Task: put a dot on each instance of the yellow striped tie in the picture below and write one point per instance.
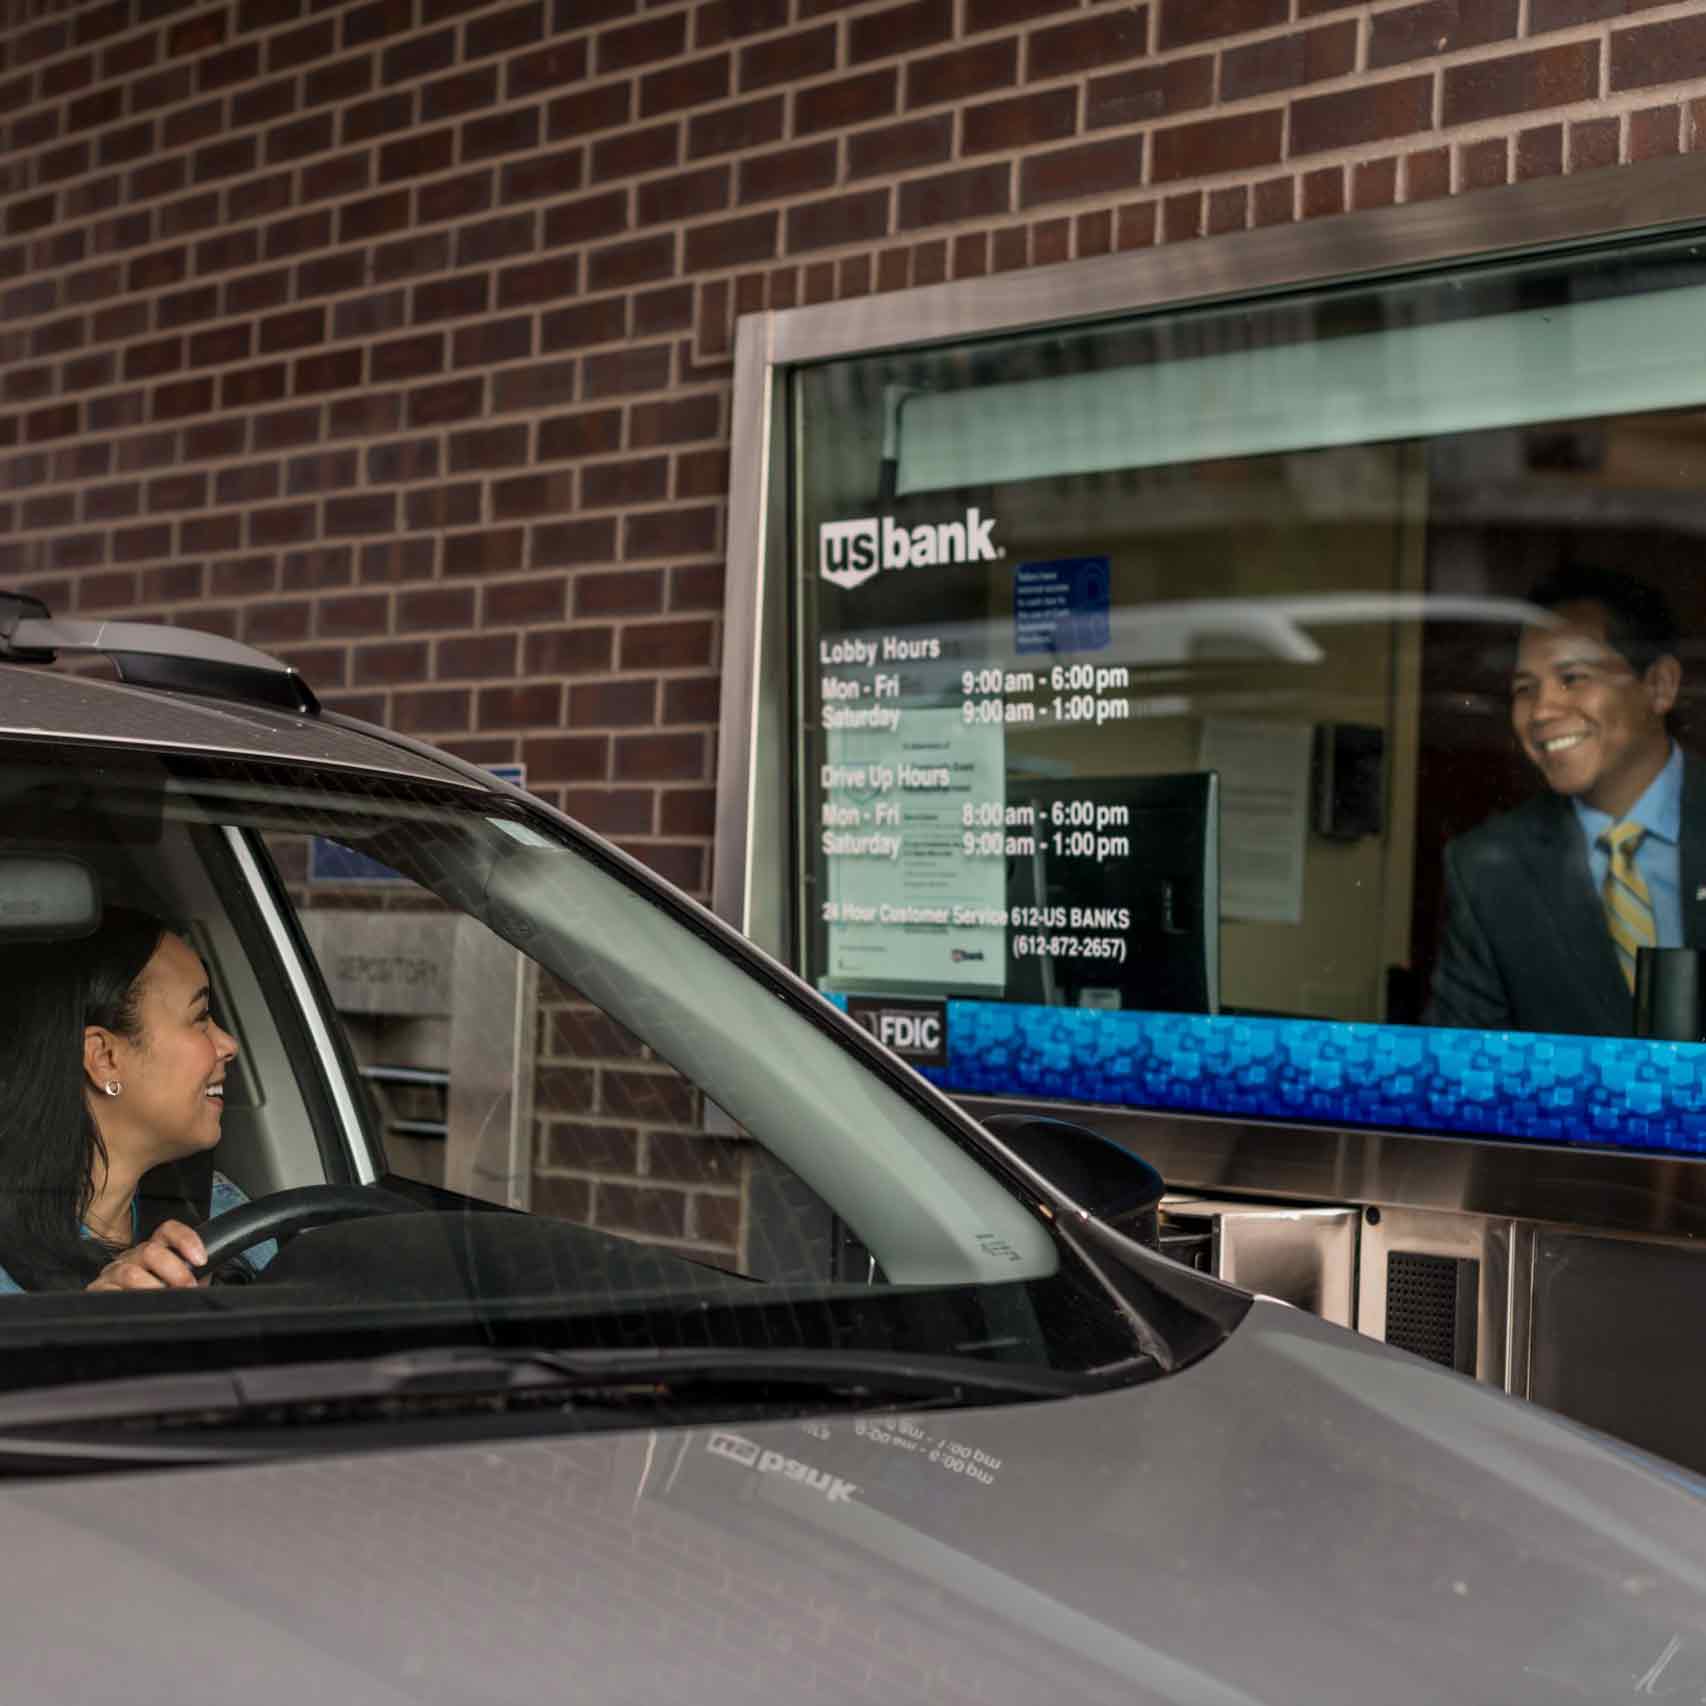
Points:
(1628, 905)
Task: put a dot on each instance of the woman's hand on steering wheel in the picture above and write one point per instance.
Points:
(167, 1258)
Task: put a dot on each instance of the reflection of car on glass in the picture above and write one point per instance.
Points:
(887, 1405)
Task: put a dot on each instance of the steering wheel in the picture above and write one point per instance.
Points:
(285, 1213)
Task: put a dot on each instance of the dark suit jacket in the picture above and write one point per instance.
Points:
(1526, 947)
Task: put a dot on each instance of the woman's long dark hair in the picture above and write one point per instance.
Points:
(50, 1146)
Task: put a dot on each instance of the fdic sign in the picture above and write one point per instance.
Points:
(916, 1030)
(850, 552)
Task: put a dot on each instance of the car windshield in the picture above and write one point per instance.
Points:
(575, 1111)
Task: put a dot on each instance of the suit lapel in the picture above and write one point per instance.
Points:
(1693, 861)
(1557, 866)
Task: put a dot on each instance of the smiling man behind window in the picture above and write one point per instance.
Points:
(1547, 905)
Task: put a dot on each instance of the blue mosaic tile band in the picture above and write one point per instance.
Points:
(1608, 1092)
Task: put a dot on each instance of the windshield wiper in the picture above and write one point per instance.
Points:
(245, 1413)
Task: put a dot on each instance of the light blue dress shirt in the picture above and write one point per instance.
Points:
(1659, 857)
(226, 1196)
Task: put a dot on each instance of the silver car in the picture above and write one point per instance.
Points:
(697, 1349)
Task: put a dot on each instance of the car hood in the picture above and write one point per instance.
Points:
(1303, 1516)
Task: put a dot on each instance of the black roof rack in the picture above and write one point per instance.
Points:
(149, 654)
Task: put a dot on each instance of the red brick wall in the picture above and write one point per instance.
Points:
(393, 335)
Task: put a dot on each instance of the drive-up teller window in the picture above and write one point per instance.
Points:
(1191, 710)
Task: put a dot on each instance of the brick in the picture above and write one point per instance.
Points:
(1427, 174)
(619, 592)
(405, 459)
(1522, 82)
(692, 811)
(657, 1098)
(435, 607)
(748, 124)
(294, 330)
(284, 524)
(977, 193)
(505, 32)
(491, 550)
(379, 117)
(1369, 113)
(321, 471)
(1289, 62)
(1000, 14)
(579, 650)
(590, 217)
(679, 532)
(1484, 165)
(731, 242)
(488, 657)
(787, 172)
(1438, 27)
(337, 370)
(1090, 43)
(491, 341)
(666, 645)
(456, 400)
(373, 22)
(1374, 183)
(1323, 192)
(1593, 144)
(566, 543)
(539, 385)
(632, 152)
(185, 397)
(536, 705)
(787, 59)
(545, 175)
(304, 136)
(255, 482)
(383, 665)
(454, 198)
(1091, 168)
(558, 1198)
(297, 235)
(1184, 22)
(900, 147)
(966, 72)
(539, 598)
(509, 132)
(599, 320)
(694, 84)
(907, 28)
(1657, 53)
(415, 155)
(613, 704)
(1017, 122)
(674, 757)
(606, 485)
(1654, 132)
(638, 262)
(455, 96)
(861, 217)
(550, 68)
(367, 316)
(674, 420)
(495, 239)
(374, 217)
(590, 433)
(704, 189)
(343, 175)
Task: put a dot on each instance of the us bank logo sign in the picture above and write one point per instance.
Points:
(850, 552)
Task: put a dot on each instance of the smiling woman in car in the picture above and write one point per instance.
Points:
(114, 1065)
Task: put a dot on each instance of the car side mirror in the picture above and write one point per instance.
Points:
(1098, 1175)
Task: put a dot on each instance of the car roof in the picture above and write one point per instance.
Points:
(48, 704)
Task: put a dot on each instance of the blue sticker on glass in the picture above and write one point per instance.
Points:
(1061, 606)
(1599, 1092)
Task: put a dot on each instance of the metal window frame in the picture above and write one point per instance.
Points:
(1615, 1190)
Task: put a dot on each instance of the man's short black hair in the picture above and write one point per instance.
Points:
(1639, 621)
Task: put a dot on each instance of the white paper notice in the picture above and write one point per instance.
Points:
(1264, 815)
(898, 798)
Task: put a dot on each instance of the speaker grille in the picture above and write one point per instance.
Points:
(1430, 1307)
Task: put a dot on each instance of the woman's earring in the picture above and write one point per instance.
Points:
(112, 1086)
